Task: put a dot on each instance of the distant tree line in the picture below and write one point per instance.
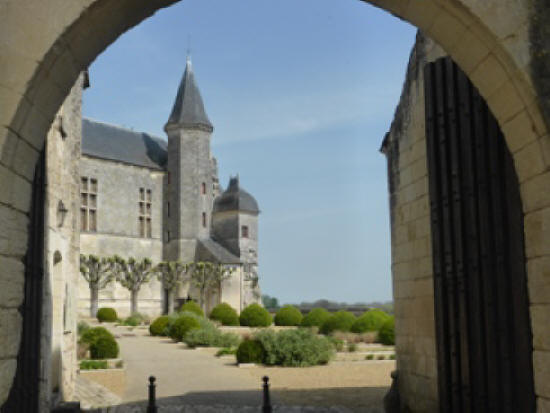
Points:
(272, 303)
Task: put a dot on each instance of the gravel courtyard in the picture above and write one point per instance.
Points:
(197, 377)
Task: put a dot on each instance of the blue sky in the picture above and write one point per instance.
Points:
(301, 94)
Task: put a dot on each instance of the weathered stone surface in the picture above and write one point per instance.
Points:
(7, 367)
(10, 325)
(541, 365)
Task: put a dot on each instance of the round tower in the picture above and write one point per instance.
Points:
(189, 181)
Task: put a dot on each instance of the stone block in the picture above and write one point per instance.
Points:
(529, 161)
(12, 283)
(535, 194)
(489, 75)
(10, 325)
(13, 238)
(538, 278)
(519, 132)
(422, 15)
(470, 52)
(543, 405)
(506, 102)
(7, 367)
(541, 366)
(25, 159)
(537, 233)
(540, 322)
(447, 30)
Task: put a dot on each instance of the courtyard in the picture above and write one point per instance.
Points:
(196, 377)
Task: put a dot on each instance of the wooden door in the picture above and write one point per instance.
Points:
(483, 331)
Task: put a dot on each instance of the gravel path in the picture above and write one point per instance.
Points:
(196, 377)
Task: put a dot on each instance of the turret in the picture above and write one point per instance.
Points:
(235, 222)
(189, 186)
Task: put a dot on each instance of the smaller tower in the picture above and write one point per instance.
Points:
(235, 226)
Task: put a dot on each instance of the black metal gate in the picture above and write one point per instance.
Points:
(23, 396)
(481, 304)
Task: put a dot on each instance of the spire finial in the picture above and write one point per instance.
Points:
(188, 58)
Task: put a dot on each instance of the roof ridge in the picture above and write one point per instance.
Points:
(124, 128)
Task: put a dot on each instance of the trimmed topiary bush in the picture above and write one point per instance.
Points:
(295, 348)
(250, 351)
(104, 347)
(181, 326)
(255, 316)
(386, 334)
(192, 307)
(92, 334)
(339, 321)
(158, 327)
(371, 320)
(225, 314)
(288, 316)
(315, 318)
(107, 314)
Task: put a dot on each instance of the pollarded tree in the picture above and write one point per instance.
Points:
(132, 274)
(171, 274)
(206, 276)
(98, 272)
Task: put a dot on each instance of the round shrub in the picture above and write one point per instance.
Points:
(250, 351)
(339, 321)
(386, 334)
(225, 314)
(92, 334)
(372, 320)
(288, 316)
(107, 314)
(315, 318)
(104, 347)
(255, 316)
(181, 326)
(158, 327)
(192, 307)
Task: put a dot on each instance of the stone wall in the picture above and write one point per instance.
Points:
(412, 275)
(118, 230)
(61, 252)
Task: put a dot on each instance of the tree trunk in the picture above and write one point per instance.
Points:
(202, 299)
(170, 299)
(94, 298)
(134, 294)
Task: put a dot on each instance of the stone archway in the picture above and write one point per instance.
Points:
(45, 46)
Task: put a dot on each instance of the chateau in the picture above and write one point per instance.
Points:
(143, 197)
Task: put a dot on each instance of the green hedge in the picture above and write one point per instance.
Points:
(225, 314)
(288, 316)
(107, 314)
(255, 316)
(158, 327)
(315, 318)
(250, 351)
(192, 307)
(92, 334)
(386, 334)
(181, 326)
(371, 320)
(339, 321)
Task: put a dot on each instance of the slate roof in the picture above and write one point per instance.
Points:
(235, 198)
(208, 250)
(188, 109)
(101, 140)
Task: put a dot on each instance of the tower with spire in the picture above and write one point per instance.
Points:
(190, 180)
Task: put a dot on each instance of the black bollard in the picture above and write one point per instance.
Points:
(152, 406)
(266, 408)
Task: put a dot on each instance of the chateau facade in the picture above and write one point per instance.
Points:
(145, 197)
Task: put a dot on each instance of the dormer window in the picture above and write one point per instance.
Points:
(244, 231)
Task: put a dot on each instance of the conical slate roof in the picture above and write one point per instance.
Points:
(188, 110)
(235, 199)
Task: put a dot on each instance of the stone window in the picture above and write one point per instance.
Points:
(168, 209)
(144, 222)
(244, 231)
(204, 219)
(203, 188)
(88, 204)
